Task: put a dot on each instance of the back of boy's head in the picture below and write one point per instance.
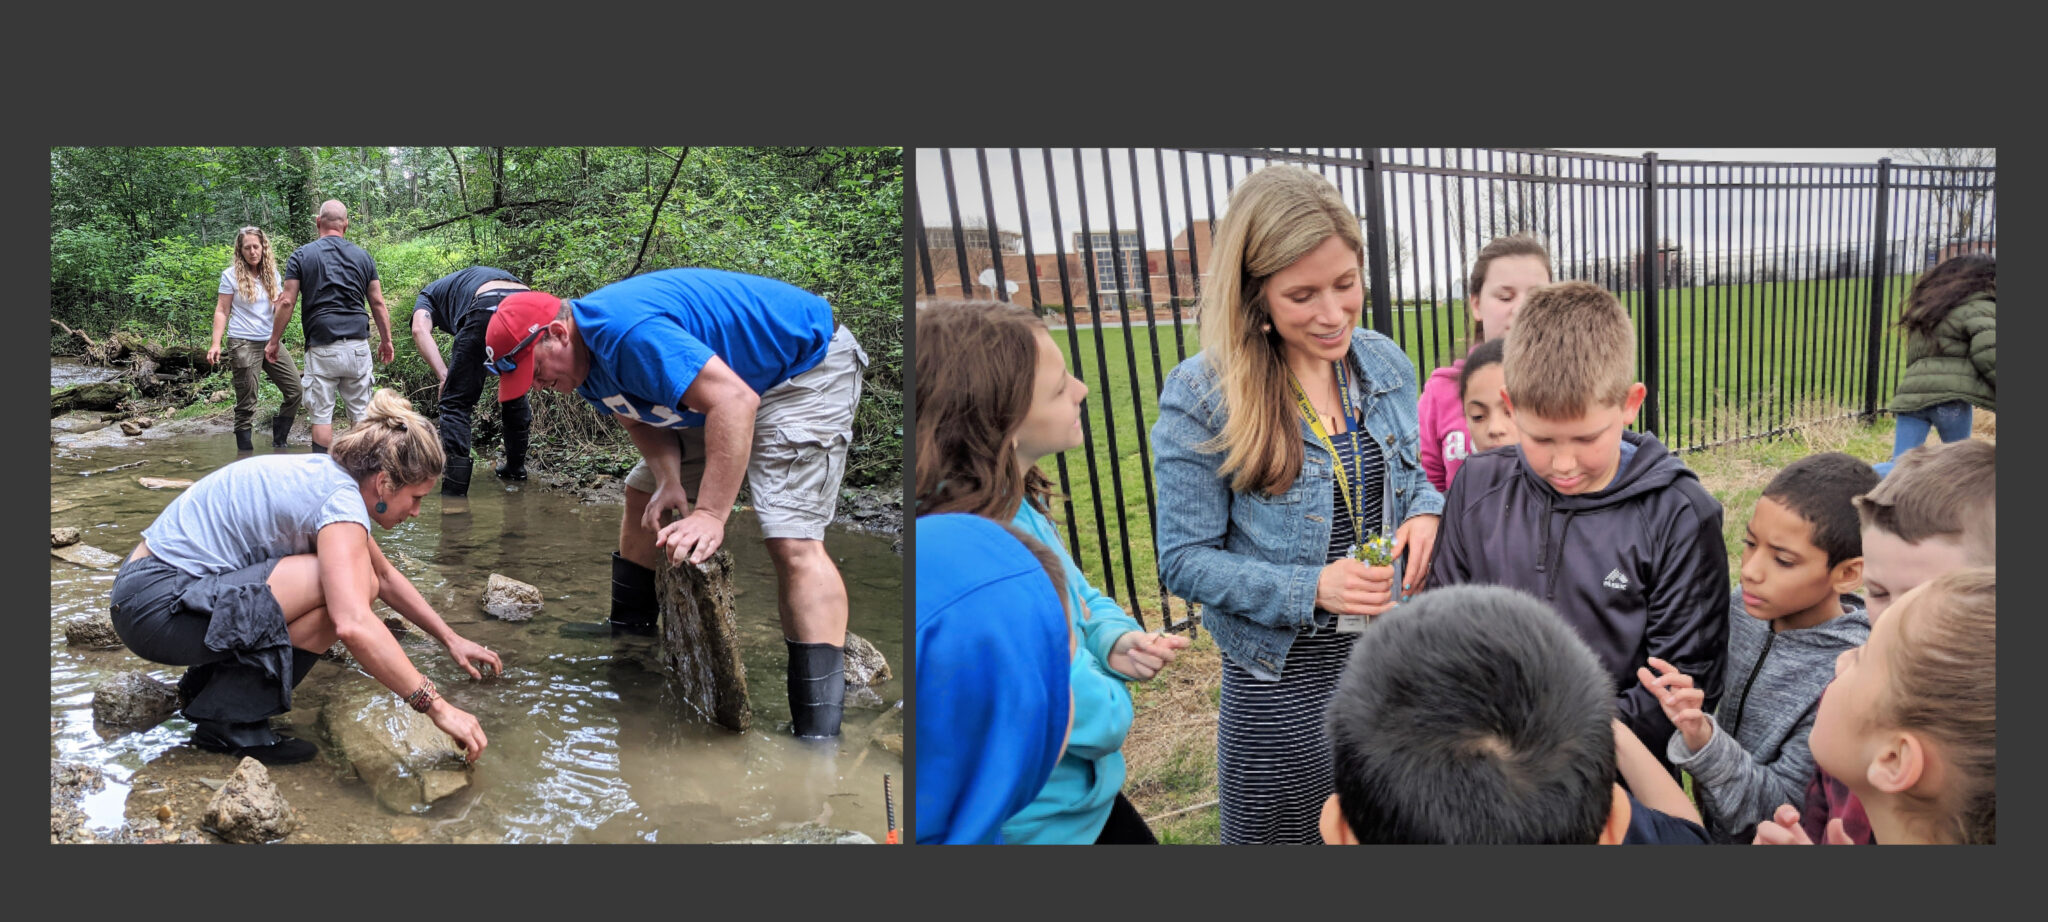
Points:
(1822, 489)
(1572, 348)
(1490, 352)
(1473, 715)
(1940, 491)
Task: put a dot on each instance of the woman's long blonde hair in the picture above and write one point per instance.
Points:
(247, 280)
(1276, 215)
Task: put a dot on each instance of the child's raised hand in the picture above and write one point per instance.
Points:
(1783, 829)
(1681, 701)
(1141, 655)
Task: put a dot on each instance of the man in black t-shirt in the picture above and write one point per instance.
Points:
(337, 277)
(461, 304)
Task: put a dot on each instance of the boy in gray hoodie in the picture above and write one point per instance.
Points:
(1791, 617)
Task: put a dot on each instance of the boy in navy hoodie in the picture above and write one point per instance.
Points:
(1802, 556)
(1604, 524)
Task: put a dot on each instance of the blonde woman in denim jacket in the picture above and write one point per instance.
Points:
(1262, 511)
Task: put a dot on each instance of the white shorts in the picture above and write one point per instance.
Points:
(801, 432)
(342, 365)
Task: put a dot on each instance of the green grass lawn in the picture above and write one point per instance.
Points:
(1737, 360)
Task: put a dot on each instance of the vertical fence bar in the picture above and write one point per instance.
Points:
(953, 211)
(1119, 267)
(1074, 356)
(1877, 270)
(998, 291)
(924, 256)
(1172, 278)
(1376, 242)
(1094, 271)
(1037, 305)
(1652, 255)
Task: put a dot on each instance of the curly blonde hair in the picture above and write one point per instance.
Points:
(265, 274)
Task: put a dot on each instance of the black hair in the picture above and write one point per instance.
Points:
(1473, 715)
(1491, 352)
(1822, 489)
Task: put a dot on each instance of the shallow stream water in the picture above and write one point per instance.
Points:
(587, 740)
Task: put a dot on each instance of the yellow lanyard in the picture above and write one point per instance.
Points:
(1345, 475)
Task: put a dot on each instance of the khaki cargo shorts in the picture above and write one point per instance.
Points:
(801, 432)
(342, 365)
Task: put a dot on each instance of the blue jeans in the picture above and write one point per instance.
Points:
(1951, 420)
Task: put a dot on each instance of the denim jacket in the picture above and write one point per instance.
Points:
(1251, 560)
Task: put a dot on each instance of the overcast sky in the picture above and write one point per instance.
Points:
(1695, 221)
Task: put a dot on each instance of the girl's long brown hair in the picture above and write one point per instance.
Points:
(976, 364)
(1957, 280)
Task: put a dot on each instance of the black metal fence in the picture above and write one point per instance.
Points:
(1765, 294)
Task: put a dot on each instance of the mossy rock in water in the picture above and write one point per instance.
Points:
(102, 395)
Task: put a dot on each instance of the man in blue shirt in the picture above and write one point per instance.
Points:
(714, 374)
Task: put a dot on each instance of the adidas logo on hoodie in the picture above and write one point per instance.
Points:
(1615, 580)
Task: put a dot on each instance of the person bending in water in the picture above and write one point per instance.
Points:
(258, 568)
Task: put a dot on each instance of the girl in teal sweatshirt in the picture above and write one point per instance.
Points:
(994, 398)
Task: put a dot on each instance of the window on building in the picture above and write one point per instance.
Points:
(1132, 252)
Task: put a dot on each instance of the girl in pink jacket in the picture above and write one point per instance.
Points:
(1503, 274)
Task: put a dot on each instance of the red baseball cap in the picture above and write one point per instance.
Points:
(509, 340)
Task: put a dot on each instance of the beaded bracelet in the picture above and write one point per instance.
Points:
(423, 698)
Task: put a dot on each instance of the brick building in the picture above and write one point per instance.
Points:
(1145, 271)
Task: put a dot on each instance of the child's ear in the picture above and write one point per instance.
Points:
(1336, 831)
(1847, 576)
(1635, 400)
(1900, 764)
(1618, 818)
(1505, 403)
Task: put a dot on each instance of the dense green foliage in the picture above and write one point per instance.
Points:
(139, 236)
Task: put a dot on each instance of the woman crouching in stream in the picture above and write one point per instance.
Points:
(260, 566)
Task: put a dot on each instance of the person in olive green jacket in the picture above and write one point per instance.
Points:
(1951, 324)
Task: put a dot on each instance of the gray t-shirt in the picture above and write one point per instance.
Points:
(255, 509)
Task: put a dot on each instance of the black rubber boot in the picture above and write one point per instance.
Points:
(243, 441)
(514, 467)
(455, 479)
(255, 740)
(817, 688)
(280, 431)
(635, 609)
(319, 449)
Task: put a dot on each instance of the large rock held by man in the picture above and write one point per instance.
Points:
(700, 639)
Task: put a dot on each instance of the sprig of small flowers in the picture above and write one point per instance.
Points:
(1378, 552)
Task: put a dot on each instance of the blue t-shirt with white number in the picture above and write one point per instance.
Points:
(650, 335)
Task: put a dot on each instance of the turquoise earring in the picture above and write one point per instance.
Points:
(380, 507)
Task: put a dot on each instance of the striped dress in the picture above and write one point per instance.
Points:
(1272, 753)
